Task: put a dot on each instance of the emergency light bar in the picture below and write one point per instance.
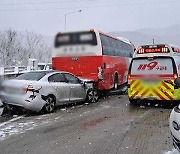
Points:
(153, 50)
(176, 50)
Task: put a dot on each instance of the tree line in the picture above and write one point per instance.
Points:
(17, 48)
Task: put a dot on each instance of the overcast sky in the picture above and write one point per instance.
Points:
(47, 16)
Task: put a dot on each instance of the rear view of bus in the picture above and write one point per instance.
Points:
(152, 73)
(93, 55)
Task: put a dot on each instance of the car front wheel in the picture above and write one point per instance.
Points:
(92, 96)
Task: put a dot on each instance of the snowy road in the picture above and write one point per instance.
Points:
(110, 126)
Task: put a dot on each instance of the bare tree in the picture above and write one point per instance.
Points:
(16, 48)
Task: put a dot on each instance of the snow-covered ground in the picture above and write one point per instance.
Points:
(20, 124)
(110, 125)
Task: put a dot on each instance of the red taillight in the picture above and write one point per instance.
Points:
(175, 76)
(129, 81)
(129, 77)
(29, 88)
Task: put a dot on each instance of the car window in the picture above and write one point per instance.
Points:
(33, 76)
(57, 78)
(71, 79)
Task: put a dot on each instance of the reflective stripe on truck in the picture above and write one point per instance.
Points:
(163, 90)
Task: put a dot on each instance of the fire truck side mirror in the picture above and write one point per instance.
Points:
(177, 82)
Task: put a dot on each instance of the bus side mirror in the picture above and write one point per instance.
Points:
(177, 82)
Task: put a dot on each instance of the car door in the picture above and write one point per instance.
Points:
(61, 88)
(77, 92)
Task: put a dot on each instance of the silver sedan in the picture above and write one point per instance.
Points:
(42, 90)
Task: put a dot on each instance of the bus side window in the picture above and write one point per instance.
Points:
(111, 47)
(105, 44)
(117, 48)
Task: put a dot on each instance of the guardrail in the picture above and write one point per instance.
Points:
(13, 70)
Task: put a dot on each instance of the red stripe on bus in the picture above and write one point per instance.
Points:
(108, 35)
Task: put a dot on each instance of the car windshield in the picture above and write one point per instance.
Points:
(34, 76)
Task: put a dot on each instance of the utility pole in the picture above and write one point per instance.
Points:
(65, 19)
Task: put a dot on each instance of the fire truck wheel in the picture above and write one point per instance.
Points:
(133, 101)
(92, 96)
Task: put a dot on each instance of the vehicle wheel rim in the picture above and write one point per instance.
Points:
(93, 96)
(50, 104)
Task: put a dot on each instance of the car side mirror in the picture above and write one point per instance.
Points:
(177, 82)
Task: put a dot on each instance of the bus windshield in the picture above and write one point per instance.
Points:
(157, 67)
(76, 38)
